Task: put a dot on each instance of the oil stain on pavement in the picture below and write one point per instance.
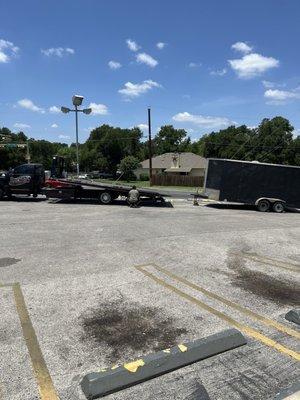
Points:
(277, 290)
(8, 261)
(125, 325)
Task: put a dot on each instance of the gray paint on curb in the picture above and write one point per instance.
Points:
(99, 384)
(293, 316)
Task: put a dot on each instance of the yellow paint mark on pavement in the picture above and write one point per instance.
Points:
(134, 365)
(182, 348)
(270, 261)
(44, 381)
(246, 311)
(242, 327)
(167, 351)
(115, 367)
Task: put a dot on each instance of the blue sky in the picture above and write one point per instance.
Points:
(200, 65)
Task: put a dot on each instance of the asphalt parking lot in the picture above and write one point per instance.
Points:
(95, 290)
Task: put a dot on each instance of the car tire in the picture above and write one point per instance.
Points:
(263, 205)
(278, 207)
(105, 198)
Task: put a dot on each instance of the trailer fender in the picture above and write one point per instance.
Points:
(270, 199)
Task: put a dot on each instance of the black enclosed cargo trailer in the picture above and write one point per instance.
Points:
(267, 186)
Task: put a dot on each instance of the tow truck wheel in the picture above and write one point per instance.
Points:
(105, 198)
(278, 207)
(263, 205)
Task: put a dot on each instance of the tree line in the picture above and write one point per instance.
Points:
(108, 148)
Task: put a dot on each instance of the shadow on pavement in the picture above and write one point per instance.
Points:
(226, 206)
(144, 203)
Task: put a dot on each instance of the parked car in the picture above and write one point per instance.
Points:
(84, 176)
(106, 175)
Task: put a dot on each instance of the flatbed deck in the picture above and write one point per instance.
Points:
(104, 192)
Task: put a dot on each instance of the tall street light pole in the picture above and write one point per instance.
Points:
(77, 101)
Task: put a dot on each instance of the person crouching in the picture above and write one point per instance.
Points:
(133, 197)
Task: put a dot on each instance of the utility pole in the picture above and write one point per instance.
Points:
(150, 145)
(77, 146)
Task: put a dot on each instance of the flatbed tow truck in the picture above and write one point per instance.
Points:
(57, 187)
(105, 193)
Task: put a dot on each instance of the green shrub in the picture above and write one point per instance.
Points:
(144, 177)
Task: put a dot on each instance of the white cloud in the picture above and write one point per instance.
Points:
(89, 129)
(202, 120)
(114, 64)
(242, 47)
(296, 133)
(252, 65)
(64, 137)
(271, 85)
(54, 110)
(98, 109)
(276, 96)
(29, 105)
(136, 89)
(132, 45)
(194, 65)
(218, 72)
(144, 58)
(143, 127)
(54, 126)
(160, 45)
(7, 51)
(268, 84)
(21, 126)
(57, 51)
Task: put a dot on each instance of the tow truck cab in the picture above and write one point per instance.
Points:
(25, 179)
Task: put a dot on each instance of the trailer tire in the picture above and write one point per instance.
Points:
(278, 207)
(105, 198)
(263, 205)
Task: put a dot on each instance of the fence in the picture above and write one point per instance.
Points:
(177, 180)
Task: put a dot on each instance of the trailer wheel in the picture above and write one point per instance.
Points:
(278, 207)
(105, 198)
(263, 205)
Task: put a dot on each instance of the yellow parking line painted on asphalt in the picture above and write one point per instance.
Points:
(270, 261)
(44, 381)
(246, 311)
(290, 263)
(242, 327)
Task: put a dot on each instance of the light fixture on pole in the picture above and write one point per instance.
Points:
(77, 101)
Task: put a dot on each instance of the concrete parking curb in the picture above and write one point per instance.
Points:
(291, 393)
(106, 381)
(293, 316)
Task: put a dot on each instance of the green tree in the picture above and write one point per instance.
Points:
(272, 140)
(169, 140)
(127, 166)
(113, 144)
